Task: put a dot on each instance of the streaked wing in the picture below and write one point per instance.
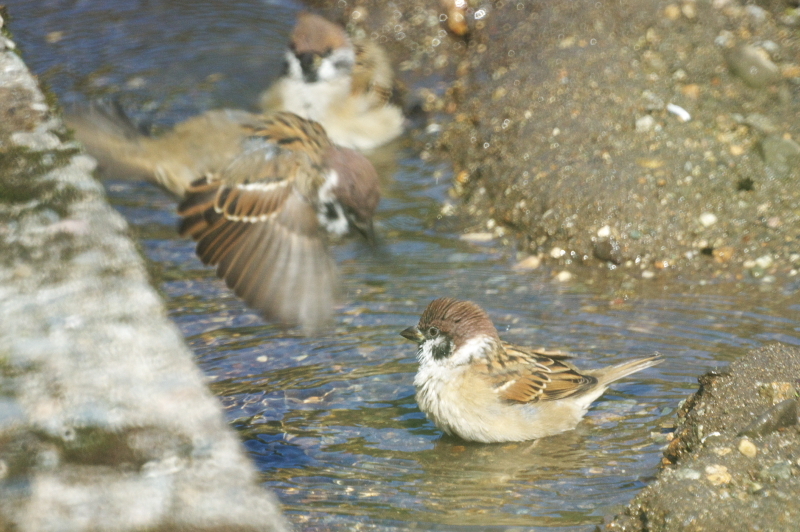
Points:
(255, 223)
(528, 375)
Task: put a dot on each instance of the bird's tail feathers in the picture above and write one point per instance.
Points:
(112, 138)
(608, 375)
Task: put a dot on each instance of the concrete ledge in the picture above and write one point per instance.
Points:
(105, 422)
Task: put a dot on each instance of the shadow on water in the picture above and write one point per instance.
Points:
(331, 421)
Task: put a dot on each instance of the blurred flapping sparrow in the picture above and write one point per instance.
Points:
(344, 84)
(265, 219)
(473, 385)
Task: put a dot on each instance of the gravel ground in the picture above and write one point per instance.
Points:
(649, 137)
(734, 460)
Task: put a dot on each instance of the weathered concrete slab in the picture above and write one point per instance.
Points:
(105, 422)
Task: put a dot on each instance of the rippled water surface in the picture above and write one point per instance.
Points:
(331, 421)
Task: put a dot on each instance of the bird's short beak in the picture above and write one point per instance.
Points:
(413, 334)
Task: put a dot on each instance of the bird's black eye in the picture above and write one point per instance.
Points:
(433, 332)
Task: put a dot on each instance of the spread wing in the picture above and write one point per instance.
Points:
(254, 221)
(527, 375)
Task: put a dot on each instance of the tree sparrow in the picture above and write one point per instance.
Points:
(343, 84)
(479, 388)
(264, 220)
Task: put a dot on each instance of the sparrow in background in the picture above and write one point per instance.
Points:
(265, 219)
(344, 84)
(473, 385)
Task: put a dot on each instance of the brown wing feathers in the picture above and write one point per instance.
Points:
(531, 376)
(257, 223)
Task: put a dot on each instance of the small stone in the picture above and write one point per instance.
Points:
(689, 10)
(604, 232)
(477, 237)
(760, 123)
(262, 358)
(718, 474)
(557, 253)
(647, 274)
(563, 276)
(764, 261)
(707, 219)
(781, 470)
(723, 254)
(747, 448)
(775, 392)
(752, 65)
(645, 123)
(780, 154)
(528, 263)
(672, 12)
(608, 249)
(688, 474)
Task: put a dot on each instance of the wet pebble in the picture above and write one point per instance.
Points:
(752, 66)
(688, 474)
(748, 448)
(764, 261)
(563, 276)
(645, 123)
(477, 237)
(781, 470)
(718, 474)
(707, 219)
(775, 392)
(780, 154)
(608, 249)
(529, 263)
(761, 123)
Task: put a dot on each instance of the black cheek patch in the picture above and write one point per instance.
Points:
(442, 350)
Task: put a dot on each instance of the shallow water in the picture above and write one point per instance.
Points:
(331, 421)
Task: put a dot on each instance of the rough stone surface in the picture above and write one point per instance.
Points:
(714, 478)
(105, 422)
(561, 118)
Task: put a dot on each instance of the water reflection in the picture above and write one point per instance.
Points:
(331, 421)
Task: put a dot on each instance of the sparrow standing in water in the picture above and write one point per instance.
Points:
(473, 385)
(265, 219)
(343, 84)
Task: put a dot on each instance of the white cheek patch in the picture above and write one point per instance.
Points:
(472, 349)
(338, 64)
(295, 71)
(330, 212)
